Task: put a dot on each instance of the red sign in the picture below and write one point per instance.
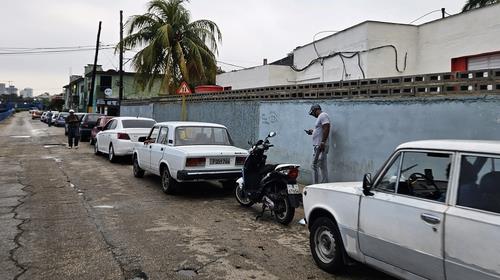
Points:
(184, 89)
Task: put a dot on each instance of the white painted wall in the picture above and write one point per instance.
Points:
(260, 76)
(429, 47)
(473, 32)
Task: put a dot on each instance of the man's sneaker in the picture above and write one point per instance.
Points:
(76, 147)
(69, 147)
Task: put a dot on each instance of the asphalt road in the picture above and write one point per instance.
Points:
(68, 214)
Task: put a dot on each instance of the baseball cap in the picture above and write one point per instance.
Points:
(314, 108)
(71, 111)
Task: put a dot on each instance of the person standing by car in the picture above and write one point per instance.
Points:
(49, 118)
(320, 144)
(73, 124)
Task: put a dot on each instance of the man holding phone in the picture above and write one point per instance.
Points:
(320, 135)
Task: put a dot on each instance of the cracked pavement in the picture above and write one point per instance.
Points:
(68, 214)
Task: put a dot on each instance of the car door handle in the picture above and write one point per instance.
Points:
(161, 149)
(431, 219)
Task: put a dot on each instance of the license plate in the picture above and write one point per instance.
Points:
(293, 189)
(219, 161)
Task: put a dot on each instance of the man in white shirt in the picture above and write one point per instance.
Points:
(320, 144)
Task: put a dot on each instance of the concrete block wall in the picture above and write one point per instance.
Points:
(364, 133)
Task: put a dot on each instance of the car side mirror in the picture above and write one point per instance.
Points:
(367, 184)
(142, 139)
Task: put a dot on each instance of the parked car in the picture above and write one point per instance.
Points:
(100, 123)
(431, 212)
(36, 114)
(119, 135)
(55, 114)
(86, 124)
(188, 151)
(61, 119)
(79, 115)
(43, 116)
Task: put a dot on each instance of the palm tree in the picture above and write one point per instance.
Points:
(473, 4)
(173, 48)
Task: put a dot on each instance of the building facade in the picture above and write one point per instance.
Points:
(466, 41)
(26, 93)
(105, 99)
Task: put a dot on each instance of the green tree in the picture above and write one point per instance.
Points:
(172, 47)
(473, 4)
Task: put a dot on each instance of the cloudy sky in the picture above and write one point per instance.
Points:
(251, 30)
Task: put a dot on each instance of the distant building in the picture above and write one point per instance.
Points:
(11, 90)
(463, 42)
(2, 89)
(106, 90)
(26, 93)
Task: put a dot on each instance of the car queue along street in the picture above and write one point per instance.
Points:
(68, 214)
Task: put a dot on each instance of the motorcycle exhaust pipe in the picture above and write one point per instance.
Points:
(268, 202)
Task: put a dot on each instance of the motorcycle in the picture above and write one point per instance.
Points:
(273, 185)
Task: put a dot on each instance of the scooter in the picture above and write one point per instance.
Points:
(273, 185)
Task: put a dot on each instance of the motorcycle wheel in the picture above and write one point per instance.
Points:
(285, 212)
(242, 199)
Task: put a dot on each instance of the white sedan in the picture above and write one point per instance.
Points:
(431, 212)
(189, 151)
(119, 135)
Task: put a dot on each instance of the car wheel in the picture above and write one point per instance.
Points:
(326, 245)
(168, 184)
(96, 149)
(138, 171)
(111, 154)
(241, 197)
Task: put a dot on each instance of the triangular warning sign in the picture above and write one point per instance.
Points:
(183, 89)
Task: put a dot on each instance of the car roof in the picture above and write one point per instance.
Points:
(475, 146)
(178, 123)
(132, 118)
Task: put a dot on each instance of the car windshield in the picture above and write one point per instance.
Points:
(138, 123)
(201, 135)
(92, 117)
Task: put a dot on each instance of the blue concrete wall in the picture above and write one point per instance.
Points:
(145, 111)
(6, 114)
(364, 133)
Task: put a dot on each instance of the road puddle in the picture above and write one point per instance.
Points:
(20, 136)
(104, 206)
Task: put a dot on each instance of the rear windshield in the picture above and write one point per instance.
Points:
(92, 117)
(201, 135)
(138, 123)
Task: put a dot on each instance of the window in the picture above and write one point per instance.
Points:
(108, 125)
(198, 135)
(162, 137)
(113, 124)
(154, 133)
(425, 175)
(138, 123)
(479, 183)
(388, 181)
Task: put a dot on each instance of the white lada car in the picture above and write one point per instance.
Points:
(431, 212)
(119, 135)
(188, 151)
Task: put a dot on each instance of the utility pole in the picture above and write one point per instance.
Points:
(443, 12)
(94, 70)
(120, 93)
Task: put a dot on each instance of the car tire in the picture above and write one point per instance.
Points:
(96, 149)
(111, 154)
(168, 184)
(326, 245)
(138, 171)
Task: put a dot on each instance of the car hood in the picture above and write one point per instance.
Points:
(345, 187)
(212, 150)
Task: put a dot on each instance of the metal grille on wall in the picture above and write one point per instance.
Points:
(449, 83)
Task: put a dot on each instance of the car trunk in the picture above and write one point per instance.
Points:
(135, 133)
(217, 157)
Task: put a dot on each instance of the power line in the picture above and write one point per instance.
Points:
(51, 48)
(51, 51)
(230, 64)
(425, 15)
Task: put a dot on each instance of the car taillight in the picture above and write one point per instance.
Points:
(190, 162)
(240, 160)
(293, 173)
(123, 136)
